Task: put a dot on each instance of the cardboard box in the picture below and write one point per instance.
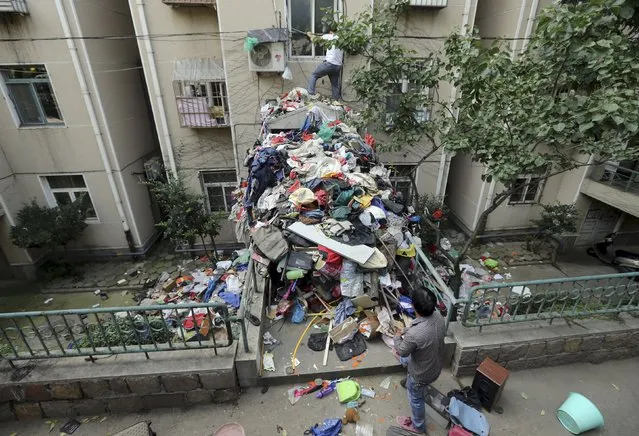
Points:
(369, 325)
(169, 285)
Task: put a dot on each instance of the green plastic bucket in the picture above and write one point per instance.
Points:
(578, 414)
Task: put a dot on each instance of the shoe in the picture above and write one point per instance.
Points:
(403, 381)
(406, 423)
(313, 96)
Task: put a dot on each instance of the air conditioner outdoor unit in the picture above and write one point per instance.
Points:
(429, 3)
(268, 57)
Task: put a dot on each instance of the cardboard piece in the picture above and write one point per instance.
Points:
(357, 253)
(344, 331)
(363, 301)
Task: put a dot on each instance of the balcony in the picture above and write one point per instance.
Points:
(614, 185)
(429, 3)
(14, 6)
(208, 3)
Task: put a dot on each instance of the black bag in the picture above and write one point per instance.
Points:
(352, 348)
(466, 395)
(317, 341)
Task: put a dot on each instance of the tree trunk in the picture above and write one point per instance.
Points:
(214, 247)
(206, 252)
(479, 228)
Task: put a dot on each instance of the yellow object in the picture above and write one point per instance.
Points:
(310, 324)
(407, 252)
(364, 200)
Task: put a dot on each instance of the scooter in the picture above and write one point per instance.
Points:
(625, 261)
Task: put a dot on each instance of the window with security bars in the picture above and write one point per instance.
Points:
(400, 178)
(218, 187)
(393, 100)
(202, 104)
(61, 190)
(30, 92)
(527, 189)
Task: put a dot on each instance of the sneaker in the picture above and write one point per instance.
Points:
(403, 381)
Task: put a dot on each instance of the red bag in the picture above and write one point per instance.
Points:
(458, 430)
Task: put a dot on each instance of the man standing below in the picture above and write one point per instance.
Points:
(331, 67)
(421, 348)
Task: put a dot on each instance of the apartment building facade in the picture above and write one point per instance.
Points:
(206, 90)
(74, 123)
(606, 196)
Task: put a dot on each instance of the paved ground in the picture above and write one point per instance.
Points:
(529, 402)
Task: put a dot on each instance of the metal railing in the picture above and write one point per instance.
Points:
(573, 297)
(115, 330)
(618, 177)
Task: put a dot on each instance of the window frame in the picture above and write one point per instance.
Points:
(180, 86)
(224, 185)
(524, 192)
(50, 192)
(427, 111)
(31, 82)
(337, 8)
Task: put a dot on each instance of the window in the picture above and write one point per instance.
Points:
(422, 114)
(31, 93)
(527, 189)
(61, 190)
(400, 178)
(202, 104)
(306, 16)
(218, 188)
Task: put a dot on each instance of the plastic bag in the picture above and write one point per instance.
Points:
(250, 43)
(325, 132)
(330, 427)
(351, 280)
(287, 74)
(299, 313)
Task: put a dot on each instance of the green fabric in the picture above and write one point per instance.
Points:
(325, 132)
(341, 213)
(491, 263)
(344, 197)
(250, 43)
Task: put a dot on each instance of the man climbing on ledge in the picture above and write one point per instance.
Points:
(331, 67)
(421, 348)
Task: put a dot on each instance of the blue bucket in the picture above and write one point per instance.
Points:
(578, 414)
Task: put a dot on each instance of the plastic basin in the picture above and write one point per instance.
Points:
(230, 429)
(578, 414)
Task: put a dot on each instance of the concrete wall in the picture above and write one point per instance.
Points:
(533, 345)
(465, 190)
(32, 152)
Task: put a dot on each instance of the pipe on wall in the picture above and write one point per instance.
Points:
(88, 101)
(151, 72)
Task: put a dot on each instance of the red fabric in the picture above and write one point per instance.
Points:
(438, 214)
(334, 123)
(368, 139)
(278, 140)
(458, 430)
(297, 185)
(322, 197)
(331, 257)
(307, 136)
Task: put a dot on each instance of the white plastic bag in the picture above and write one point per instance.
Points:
(287, 74)
(351, 280)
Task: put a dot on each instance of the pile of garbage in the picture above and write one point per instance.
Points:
(326, 224)
(203, 282)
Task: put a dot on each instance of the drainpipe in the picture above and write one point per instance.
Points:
(513, 45)
(107, 131)
(151, 72)
(441, 183)
(226, 81)
(86, 94)
(531, 23)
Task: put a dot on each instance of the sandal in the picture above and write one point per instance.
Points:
(406, 423)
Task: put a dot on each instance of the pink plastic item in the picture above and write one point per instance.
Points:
(230, 429)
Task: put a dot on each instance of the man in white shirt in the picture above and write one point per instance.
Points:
(331, 67)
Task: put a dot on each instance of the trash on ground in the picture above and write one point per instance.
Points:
(70, 426)
(386, 383)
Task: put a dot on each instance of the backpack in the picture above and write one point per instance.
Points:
(466, 395)
(330, 427)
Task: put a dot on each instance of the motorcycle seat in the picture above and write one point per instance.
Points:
(624, 253)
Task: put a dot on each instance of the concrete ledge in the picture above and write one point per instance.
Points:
(118, 384)
(536, 344)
